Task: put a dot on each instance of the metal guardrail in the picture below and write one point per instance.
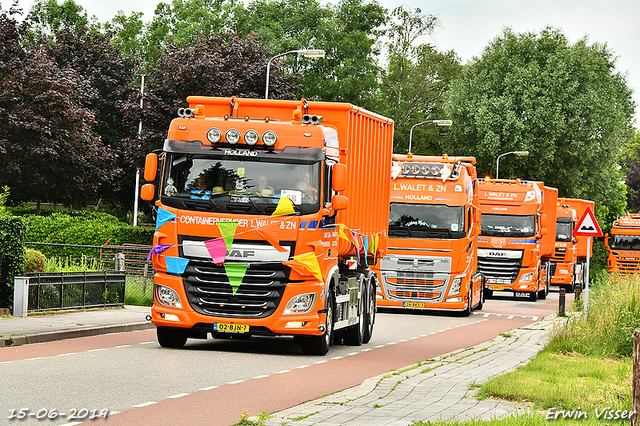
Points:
(67, 290)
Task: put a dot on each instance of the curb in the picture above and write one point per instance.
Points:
(19, 340)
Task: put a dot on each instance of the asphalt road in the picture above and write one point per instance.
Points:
(213, 382)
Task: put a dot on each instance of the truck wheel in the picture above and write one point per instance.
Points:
(534, 296)
(171, 337)
(319, 345)
(370, 308)
(481, 302)
(542, 295)
(469, 308)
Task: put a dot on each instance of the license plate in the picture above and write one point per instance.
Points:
(522, 294)
(230, 328)
(413, 305)
(496, 287)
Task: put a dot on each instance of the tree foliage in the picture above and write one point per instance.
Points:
(216, 65)
(564, 103)
(415, 80)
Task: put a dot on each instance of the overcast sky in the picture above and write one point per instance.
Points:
(467, 26)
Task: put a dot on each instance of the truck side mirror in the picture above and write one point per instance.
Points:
(543, 221)
(339, 202)
(150, 167)
(148, 191)
(606, 240)
(339, 177)
(543, 231)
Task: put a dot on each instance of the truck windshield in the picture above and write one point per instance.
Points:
(500, 225)
(625, 242)
(563, 231)
(426, 221)
(239, 185)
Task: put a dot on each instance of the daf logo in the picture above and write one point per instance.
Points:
(497, 254)
(244, 152)
(242, 253)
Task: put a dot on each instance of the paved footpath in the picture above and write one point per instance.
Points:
(438, 389)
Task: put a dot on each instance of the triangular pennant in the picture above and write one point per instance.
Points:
(284, 208)
(176, 265)
(158, 248)
(271, 233)
(217, 250)
(235, 274)
(305, 264)
(228, 231)
(365, 243)
(341, 233)
(163, 217)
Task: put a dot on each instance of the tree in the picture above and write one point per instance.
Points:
(48, 150)
(415, 81)
(110, 73)
(347, 31)
(564, 103)
(632, 166)
(215, 65)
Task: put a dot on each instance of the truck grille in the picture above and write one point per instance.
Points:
(627, 266)
(210, 293)
(559, 255)
(499, 270)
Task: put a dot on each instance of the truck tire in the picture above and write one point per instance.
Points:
(534, 296)
(319, 345)
(469, 308)
(370, 307)
(171, 337)
(480, 304)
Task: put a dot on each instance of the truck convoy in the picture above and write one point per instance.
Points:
(571, 252)
(515, 247)
(624, 245)
(433, 235)
(270, 213)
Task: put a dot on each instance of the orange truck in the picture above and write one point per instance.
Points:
(571, 252)
(269, 213)
(624, 245)
(433, 235)
(515, 247)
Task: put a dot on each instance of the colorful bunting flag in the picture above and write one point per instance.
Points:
(158, 248)
(163, 217)
(228, 232)
(366, 249)
(305, 264)
(217, 250)
(235, 273)
(271, 233)
(176, 265)
(284, 208)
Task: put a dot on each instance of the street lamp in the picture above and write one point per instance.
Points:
(436, 122)
(518, 153)
(307, 53)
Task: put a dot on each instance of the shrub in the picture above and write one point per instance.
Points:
(35, 261)
(12, 233)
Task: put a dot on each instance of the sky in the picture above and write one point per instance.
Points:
(467, 26)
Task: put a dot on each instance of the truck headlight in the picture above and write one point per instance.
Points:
(300, 304)
(456, 284)
(526, 277)
(167, 296)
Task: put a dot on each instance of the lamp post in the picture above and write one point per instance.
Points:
(436, 122)
(518, 153)
(307, 53)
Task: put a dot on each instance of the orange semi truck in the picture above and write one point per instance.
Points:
(433, 234)
(269, 212)
(571, 252)
(624, 245)
(515, 246)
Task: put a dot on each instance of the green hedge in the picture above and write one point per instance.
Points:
(82, 228)
(12, 233)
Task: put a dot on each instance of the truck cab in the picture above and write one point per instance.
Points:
(515, 246)
(433, 233)
(563, 263)
(624, 245)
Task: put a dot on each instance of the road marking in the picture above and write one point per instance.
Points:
(180, 395)
(236, 382)
(208, 388)
(144, 404)
(509, 316)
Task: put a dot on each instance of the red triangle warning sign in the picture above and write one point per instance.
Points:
(588, 225)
